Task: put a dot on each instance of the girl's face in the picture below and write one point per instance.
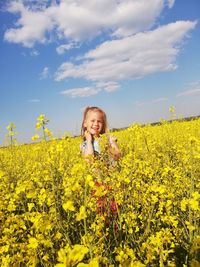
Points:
(94, 122)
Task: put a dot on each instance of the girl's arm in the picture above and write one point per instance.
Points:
(88, 150)
(114, 148)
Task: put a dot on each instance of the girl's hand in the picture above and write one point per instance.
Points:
(114, 149)
(88, 136)
(112, 139)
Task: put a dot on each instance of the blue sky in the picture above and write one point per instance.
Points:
(132, 58)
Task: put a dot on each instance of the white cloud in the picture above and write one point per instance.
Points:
(108, 86)
(45, 73)
(192, 92)
(62, 48)
(79, 20)
(34, 53)
(131, 57)
(133, 50)
(89, 91)
(150, 102)
(194, 84)
(31, 26)
(81, 92)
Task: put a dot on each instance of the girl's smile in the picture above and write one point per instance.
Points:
(94, 123)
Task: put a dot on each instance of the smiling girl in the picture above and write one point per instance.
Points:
(93, 126)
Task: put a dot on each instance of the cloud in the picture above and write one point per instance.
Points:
(133, 48)
(194, 92)
(31, 26)
(44, 74)
(79, 20)
(194, 84)
(150, 102)
(34, 53)
(89, 91)
(81, 92)
(130, 57)
(62, 48)
(108, 86)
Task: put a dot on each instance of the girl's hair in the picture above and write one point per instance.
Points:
(95, 109)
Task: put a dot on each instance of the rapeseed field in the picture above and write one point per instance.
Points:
(58, 210)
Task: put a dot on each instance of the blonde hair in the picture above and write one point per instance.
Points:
(95, 109)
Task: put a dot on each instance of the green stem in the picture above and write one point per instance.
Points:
(43, 128)
(85, 221)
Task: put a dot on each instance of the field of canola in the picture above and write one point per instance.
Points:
(57, 210)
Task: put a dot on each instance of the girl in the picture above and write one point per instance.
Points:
(94, 124)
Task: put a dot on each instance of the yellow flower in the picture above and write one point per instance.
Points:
(194, 204)
(89, 180)
(154, 186)
(35, 137)
(172, 109)
(48, 132)
(33, 243)
(58, 236)
(130, 230)
(190, 226)
(30, 206)
(93, 263)
(184, 203)
(71, 256)
(38, 125)
(45, 257)
(61, 258)
(69, 205)
(82, 214)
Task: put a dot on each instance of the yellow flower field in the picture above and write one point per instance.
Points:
(58, 210)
